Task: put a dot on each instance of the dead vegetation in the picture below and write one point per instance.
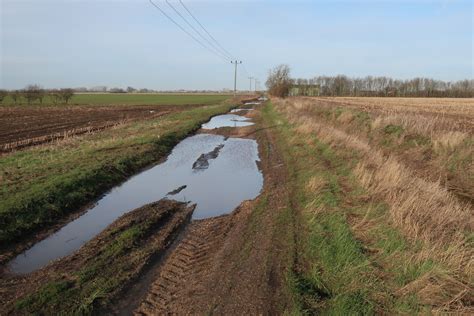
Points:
(415, 155)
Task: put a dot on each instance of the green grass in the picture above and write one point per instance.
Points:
(43, 184)
(133, 99)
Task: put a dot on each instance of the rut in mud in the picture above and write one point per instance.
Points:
(187, 263)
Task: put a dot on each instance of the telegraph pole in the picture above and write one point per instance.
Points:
(250, 87)
(235, 75)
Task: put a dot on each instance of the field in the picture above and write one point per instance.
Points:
(366, 208)
(132, 99)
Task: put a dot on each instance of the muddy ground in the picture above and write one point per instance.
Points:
(231, 264)
(158, 224)
(26, 126)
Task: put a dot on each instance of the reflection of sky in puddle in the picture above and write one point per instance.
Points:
(231, 178)
(227, 120)
(239, 110)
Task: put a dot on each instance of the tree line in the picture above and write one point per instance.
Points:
(280, 82)
(36, 94)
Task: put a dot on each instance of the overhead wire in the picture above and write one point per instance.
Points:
(185, 31)
(205, 30)
(247, 73)
(217, 49)
(212, 45)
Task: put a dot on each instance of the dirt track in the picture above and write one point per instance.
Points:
(22, 127)
(231, 264)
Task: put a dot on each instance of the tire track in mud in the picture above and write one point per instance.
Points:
(190, 261)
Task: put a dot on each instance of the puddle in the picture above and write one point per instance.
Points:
(240, 110)
(227, 120)
(225, 173)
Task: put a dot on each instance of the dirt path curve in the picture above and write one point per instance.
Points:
(232, 264)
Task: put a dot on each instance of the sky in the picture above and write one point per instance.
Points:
(120, 43)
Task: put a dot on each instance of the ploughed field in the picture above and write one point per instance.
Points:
(22, 126)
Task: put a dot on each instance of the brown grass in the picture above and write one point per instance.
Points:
(423, 209)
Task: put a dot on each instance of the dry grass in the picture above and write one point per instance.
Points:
(449, 140)
(437, 146)
(443, 106)
(421, 208)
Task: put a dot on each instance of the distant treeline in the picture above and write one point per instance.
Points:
(35, 94)
(381, 86)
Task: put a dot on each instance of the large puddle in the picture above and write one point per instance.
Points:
(214, 172)
(227, 120)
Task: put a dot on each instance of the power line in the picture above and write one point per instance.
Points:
(214, 48)
(212, 37)
(185, 31)
(245, 69)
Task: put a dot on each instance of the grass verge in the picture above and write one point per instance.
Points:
(351, 260)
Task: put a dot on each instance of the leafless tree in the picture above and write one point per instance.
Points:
(279, 81)
(34, 92)
(66, 94)
(384, 86)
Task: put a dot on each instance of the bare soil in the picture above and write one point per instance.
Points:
(26, 126)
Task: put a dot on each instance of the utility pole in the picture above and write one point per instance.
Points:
(235, 75)
(256, 83)
(250, 87)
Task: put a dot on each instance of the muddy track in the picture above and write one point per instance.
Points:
(232, 264)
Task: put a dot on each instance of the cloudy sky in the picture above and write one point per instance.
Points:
(73, 43)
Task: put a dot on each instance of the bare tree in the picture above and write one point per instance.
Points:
(279, 81)
(34, 92)
(384, 86)
(66, 94)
